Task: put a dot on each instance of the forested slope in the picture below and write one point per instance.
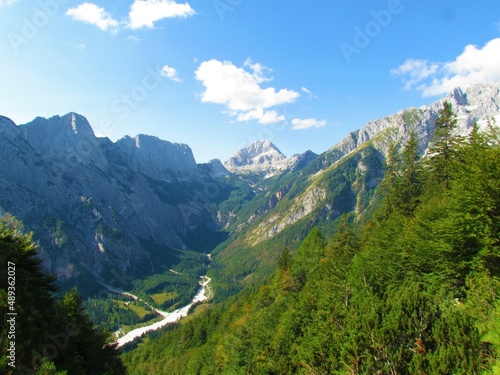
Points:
(41, 333)
(414, 291)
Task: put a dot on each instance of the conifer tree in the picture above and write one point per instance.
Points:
(27, 292)
(45, 327)
(443, 145)
(410, 182)
(388, 184)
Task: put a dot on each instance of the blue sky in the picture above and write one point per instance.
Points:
(220, 74)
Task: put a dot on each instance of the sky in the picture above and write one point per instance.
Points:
(219, 75)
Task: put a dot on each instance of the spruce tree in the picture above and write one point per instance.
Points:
(388, 184)
(26, 292)
(443, 145)
(52, 335)
(410, 182)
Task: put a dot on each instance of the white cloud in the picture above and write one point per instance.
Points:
(144, 13)
(93, 14)
(263, 117)
(417, 70)
(170, 73)
(133, 39)
(240, 90)
(300, 124)
(474, 65)
(309, 93)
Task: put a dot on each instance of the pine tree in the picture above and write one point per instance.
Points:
(285, 260)
(443, 145)
(27, 293)
(388, 185)
(410, 182)
(45, 327)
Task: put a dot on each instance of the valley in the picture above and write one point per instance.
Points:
(235, 187)
(134, 225)
(168, 317)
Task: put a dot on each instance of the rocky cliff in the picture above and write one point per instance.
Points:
(478, 103)
(100, 208)
(265, 159)
(128, 209)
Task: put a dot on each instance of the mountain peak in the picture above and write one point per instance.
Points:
(71, 124)
(261, 157)
(265, 159)
(61, 137)
(257, 149)
(7, 126)
(157, 158)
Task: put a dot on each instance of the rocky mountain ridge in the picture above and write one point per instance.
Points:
(100, 208)
(265, 159)
(131, 207)
(478, 103)
(341, 180)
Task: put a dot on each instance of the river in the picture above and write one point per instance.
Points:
(169, 317)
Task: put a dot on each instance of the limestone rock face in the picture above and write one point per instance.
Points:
(265, 159)
(217, 169)
(478, 103)
(158, 159)
(103, 210)
(96, 207)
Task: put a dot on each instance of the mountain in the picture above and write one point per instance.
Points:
(263, 158)
(341, 180)
(477, 104)
(158, 159)
(102, 210)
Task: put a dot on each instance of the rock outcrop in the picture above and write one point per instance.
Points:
(100, 208)
(478, 103)
(265, 159)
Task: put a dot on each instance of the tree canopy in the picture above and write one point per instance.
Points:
(414, 291)
(49, 334)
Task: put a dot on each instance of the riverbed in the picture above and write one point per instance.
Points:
(169, 317)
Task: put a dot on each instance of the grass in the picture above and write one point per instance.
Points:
(140, 311)
(161, 298)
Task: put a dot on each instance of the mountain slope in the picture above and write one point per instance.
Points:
(409, 293)
(103, 210)
(341, 180)
(264, 159)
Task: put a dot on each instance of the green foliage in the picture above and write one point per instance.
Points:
(416, 293)
(48, 368)
(443, 146)
(45, 327)
(113, 312)
(411, 181)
